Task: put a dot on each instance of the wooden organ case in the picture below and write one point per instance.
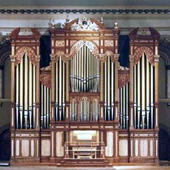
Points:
(84, 109)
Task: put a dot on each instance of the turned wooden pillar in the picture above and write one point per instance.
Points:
(52, 121)
(156, 58)
(116, 57)
(67, 91)
(12, 91)
(37, 98)
(101, 91)
(131, 58)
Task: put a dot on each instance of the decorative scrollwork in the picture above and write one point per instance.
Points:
(30, 53)
(85, 24)
(45, 79)
(139, 51)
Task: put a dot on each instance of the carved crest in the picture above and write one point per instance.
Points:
(85, 24)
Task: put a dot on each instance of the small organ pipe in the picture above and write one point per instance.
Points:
(56, 91)
(42, 105)
(127, 104)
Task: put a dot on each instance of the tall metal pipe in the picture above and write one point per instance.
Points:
(30, 94)
(34, 93)
(21, 93)
(17, 95)
(139, 89)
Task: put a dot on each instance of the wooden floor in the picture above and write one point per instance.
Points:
(114, 168)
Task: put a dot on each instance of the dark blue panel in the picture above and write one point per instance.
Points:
(124, 50)
(45, 50)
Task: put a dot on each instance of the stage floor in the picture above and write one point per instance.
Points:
(114, 168)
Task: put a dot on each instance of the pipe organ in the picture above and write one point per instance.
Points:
(84, 105)
(25, 93)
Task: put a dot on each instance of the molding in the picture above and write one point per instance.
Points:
(85, 11)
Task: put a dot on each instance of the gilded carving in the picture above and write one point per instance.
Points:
(123, 77)
(84, 24)
(139, 51)
(45, 79)
(60, 43)
(109, 43)
(21, 51)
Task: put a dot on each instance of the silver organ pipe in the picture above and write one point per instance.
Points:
(17, 96)
(30, 95)
(34, 83)
(84, 72)
(135, 100)
(109, 89)
(25, 94)
(26, 90)
(45, 106)
(139, 90)
(143, 94)
(60, 94)
(56, 91)
(124, 106)
(21, 93)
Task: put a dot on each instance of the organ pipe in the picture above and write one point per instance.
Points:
(21, 93)
(34, 93)
(124, 106)
(143, 94)
(84, 71)
(25, 94)
(60, 89)
(45, 106)
(17, 96)
(109, 89)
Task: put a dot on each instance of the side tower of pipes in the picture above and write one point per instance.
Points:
(144, 60)
(144, 79)
(25, 71)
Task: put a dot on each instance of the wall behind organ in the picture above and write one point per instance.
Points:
(5, 108)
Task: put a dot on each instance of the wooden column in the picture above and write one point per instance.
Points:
(52, 142)
(156, 58)
(12, 107)
(37, 90)
(101, 91)
(12, 91)
(116, 57)
(116, 130)
(67, 91)
(131, 58)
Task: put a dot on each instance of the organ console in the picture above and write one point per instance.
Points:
(84, 105)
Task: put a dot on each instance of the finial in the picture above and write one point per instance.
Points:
(67, 19)
(52, 23)
(116, 25)
(101, 19)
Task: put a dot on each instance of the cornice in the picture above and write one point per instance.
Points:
(85, 11)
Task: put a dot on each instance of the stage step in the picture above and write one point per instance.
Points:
(85, 163)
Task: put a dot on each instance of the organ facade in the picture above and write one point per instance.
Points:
(84, 109)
